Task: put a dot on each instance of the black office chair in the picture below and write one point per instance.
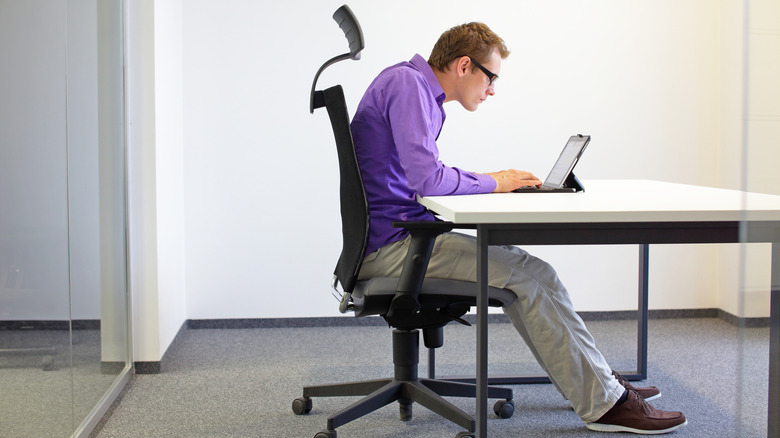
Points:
(409, 303)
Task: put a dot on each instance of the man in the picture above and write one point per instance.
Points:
(395, 129)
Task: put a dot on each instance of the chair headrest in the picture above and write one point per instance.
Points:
(351, 28)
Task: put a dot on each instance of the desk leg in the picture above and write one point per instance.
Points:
(773, 423)
(641, 345)
(482, 332)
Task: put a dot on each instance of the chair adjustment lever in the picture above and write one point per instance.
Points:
(457, 319)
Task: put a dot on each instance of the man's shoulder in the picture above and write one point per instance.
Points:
(405, 84)
(406, 76)
(401, 73)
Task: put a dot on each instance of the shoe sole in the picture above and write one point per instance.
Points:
(616, 428)
(647, 399)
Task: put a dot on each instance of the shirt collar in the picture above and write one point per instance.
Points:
(422, 65)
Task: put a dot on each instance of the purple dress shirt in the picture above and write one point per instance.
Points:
(395, 129)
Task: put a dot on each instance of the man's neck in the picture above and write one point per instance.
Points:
(446, 80)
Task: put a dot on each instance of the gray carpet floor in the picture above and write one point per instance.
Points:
(241, 382)
(49, 395)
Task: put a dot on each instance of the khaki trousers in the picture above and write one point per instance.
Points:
(543, 314)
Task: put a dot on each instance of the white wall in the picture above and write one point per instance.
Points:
(154, 115)
(643, 78)
(656, 83)
(171, 243)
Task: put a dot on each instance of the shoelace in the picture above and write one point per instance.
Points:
(646, 407)
(622, 380)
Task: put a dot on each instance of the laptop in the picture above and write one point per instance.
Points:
(561, 177)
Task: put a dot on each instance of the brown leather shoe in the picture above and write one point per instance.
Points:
(648, 393)
(635, 415)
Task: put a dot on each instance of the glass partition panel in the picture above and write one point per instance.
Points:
(760, 265)
(35, 339)
(64, 342)
(96, 193)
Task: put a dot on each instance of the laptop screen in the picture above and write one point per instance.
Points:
(566, 161)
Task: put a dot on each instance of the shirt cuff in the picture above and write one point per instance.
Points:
(487, 183)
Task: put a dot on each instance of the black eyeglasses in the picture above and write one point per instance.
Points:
(491, 76)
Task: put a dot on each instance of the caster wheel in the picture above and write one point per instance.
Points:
(405, 412)
(301, 406)
(465, 434)
(504, 408)
(326, 434)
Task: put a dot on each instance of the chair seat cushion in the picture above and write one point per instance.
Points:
(373, 296)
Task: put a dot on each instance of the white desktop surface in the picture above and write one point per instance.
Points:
(609, 201)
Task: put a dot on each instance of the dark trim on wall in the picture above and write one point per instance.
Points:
(155, 367)
(152, 367)
(76, 324)
(346, 321)
(742, 322)
(246, 323)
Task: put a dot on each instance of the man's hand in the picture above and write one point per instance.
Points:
(508, 180)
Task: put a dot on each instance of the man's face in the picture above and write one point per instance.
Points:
(476, 86)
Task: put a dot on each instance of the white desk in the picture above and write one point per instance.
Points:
(619, 212)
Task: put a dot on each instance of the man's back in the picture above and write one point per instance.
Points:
(395, 130)
(387, 187)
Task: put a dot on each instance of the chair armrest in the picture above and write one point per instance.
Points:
(423, 236)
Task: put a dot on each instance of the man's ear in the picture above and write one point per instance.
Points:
(462, 65)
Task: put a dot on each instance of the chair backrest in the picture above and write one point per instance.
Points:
(352, 193)
(354, 206)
